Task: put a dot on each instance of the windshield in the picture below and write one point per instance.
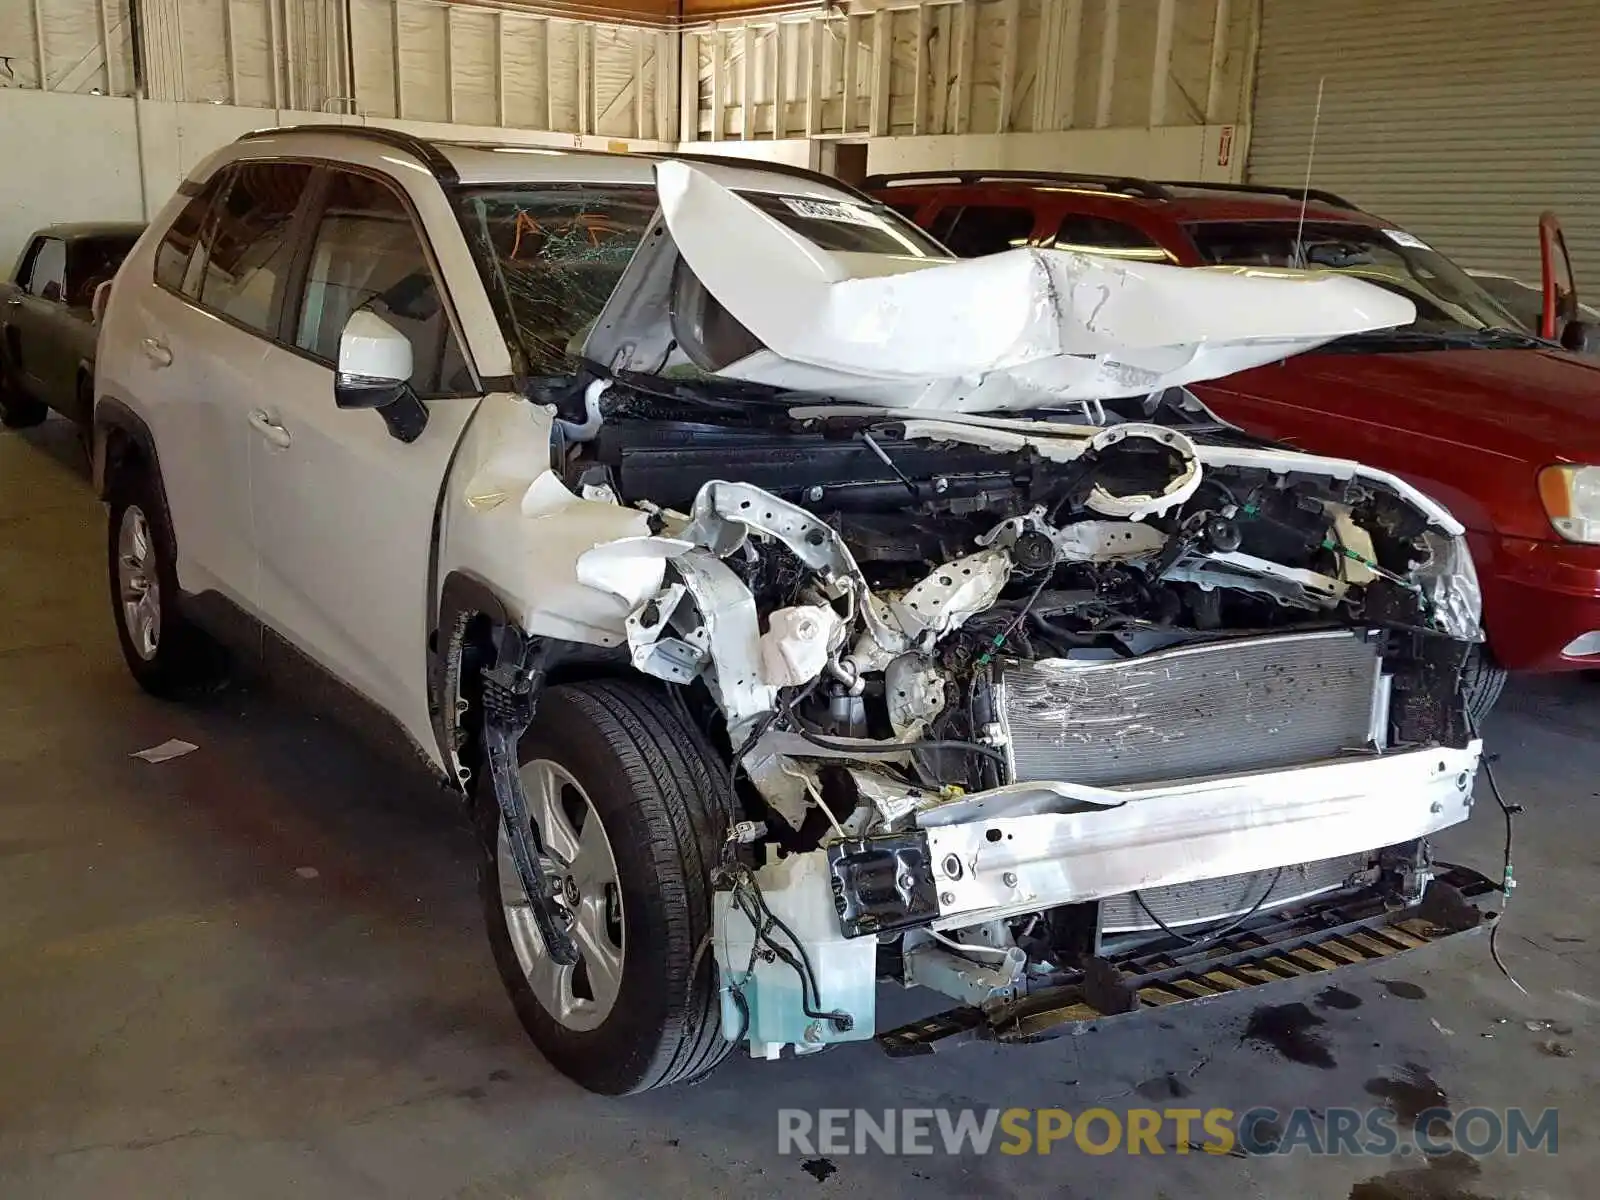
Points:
(1449, 301)
(556, 252)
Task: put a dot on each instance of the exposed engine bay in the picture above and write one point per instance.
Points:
(1001, 697)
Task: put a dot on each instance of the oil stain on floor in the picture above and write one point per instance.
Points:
(1293, 1030)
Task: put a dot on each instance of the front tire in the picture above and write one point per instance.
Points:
(1482, 681)
(633, 806)
(167, 655)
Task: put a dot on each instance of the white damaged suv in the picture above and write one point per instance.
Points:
(793, 606)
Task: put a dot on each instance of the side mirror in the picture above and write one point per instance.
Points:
(51, 292)
(1581, 337)
(374, 371)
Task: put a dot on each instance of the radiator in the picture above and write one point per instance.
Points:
(1222, 708)
(1231, 896)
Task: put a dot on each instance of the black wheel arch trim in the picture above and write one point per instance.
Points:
(464, 596)
(109, 415)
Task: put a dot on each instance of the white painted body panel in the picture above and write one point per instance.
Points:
(194, 410)
(343, 517)
(1023, 329)
(509, 522)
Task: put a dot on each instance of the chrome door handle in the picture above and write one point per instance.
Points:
(156, 351)
(14, 302)
(261, 421)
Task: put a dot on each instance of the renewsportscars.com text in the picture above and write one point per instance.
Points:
(1376, 1131)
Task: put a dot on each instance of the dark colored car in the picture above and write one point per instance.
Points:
(1499, 424)
(47, 328)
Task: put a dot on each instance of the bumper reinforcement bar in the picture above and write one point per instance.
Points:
(1318, 938)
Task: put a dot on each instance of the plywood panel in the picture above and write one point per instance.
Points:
(252, 54)
(1191, 60)
(613, 80)
(473, 60)
(422, 62)
(372, 24)
(72, 42)
(563, 39)
(527, 104)
(205, 63)
(1136, 47)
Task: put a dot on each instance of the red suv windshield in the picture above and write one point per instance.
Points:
(1448, 300)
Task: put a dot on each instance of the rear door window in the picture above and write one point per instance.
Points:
(1102, 235)
(248, 247)
(48, 273)
(980, 229)
(367, 253)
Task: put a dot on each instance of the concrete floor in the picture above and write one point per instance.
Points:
(258, 971)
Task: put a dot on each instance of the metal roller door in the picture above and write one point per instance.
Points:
(1459, 119)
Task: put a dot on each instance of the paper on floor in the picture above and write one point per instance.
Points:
(171, 748)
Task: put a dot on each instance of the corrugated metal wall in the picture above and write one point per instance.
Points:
(1460, 119)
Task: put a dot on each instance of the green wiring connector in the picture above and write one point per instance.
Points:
(987, 656)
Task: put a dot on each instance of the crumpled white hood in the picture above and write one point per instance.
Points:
(1022, 329)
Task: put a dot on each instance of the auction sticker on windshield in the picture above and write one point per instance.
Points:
(1409, 240)
(832, 210)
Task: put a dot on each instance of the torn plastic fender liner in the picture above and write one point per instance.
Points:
(510, 693)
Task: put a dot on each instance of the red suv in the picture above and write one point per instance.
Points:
(1500, 425)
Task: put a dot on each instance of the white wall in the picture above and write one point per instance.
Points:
(68, 158)
(1175, 152)
(1210, 153)
(114, 158)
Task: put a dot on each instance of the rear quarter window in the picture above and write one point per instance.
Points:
(172, 255)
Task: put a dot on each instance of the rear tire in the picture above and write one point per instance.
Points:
(168, 655)
(18, 410)
(662, 798)
(1482, 681)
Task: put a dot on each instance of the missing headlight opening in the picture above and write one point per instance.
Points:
(1013, 706)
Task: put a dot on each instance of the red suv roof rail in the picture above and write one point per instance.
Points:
(1126, 185)
(1262, 189)
(1120, 184)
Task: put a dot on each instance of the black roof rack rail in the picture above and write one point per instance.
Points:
(428, 151)
(425, 150)
(1116, 184)
(1263, 189)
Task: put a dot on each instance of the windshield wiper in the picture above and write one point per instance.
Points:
(1495, 338)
